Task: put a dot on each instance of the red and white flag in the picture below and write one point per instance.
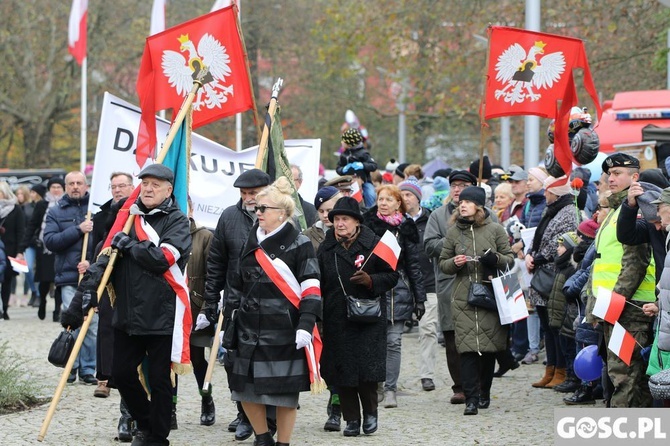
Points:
(529, 73)
(171, 61)
(622, 343)
(609, 305)
(356, 192)
(388, 249)
(157, 17)
(76, 30)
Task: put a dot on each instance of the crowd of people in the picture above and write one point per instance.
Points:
(304, 307)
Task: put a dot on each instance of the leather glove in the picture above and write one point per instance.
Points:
(211, 313)
(489, 259)
(419, 310)
(121, 241)
(201, 322)
(302, 339)
(360, 277)
(89, 299)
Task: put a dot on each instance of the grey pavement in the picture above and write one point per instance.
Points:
(519, 414)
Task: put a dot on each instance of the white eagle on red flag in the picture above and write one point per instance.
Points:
(181, 71)
(520, 72)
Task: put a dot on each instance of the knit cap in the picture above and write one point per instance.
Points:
(588, 229)
(557, 186)
(538, 173)
(569, 239)
(411, 185)
(475, 194)
(352, 137)
(440, 183)
(391, 165)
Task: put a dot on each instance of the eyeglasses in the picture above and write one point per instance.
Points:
(459, 185)
(262, 208)
(118, 186)
(601, 207)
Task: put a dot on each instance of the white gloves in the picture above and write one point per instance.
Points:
(201, 322)
(302, 339)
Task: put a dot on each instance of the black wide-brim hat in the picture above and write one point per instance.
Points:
(346, 206)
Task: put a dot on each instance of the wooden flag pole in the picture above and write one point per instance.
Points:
(483, 112)
(207, 385)
(246, 63)
(265, 136)
(186, 105)
(84, 244)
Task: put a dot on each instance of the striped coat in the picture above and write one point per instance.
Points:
(267, 321)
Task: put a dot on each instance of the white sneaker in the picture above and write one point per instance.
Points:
(529, 358)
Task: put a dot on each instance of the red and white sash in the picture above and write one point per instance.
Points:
(183, 321)
(282, 276)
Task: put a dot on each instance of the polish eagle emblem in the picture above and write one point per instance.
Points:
(182, 70)
(525, 74)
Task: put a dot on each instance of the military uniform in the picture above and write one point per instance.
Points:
(629, 271)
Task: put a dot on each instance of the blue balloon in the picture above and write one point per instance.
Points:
(588, 365)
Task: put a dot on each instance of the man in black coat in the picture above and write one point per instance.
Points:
(232, 231)
(148, 308)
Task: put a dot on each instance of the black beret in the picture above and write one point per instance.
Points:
(620, 160)
(157, 171)
(462, 175)
(252, 178)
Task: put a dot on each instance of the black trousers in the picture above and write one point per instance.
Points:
(365, 393)
(129, 352)
(453, 360)
(199, 364)
(105, 340)
(477, 373)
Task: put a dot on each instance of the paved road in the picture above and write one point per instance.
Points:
(518, 414)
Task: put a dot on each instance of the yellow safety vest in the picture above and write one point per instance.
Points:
(606, 268)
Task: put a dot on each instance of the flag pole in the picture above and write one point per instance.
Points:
(265, 135)
(246, 60)
(482, 111)
(82, 142)
(186, 105)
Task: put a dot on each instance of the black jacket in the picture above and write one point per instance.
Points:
(631, 230)
(12, 229)
(145, 301)
(410, 288)
(354, 154)
(230, 235)
(427, 267)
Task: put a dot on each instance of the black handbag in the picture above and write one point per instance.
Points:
(229, 339)
(481, 295)
(61, 349)
(364, 311)
(543, 281)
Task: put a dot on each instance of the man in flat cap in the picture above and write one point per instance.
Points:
(230, 234)
(628, 270)
(343, 183)
(150, 304)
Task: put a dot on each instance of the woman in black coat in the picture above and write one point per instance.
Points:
(409, 294)
(354, 353)
(12, 228)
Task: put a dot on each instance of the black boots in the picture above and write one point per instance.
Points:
(125, 428)
(582, 396)
(370, 423)
(353, 428)
(207, 411)
(334, 420)
(471, 409)
(264, 440)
